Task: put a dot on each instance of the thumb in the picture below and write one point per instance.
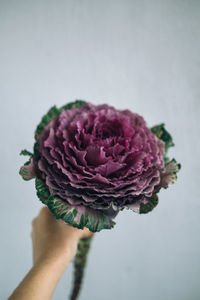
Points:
(86, 233)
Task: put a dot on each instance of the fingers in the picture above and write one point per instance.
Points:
(44, 211)
(34, 221)
(86, 233)
(45, 217)
(78, 233)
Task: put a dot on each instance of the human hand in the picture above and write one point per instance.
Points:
(54, 240)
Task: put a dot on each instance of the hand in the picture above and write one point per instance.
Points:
(54, 239)
(54, 246)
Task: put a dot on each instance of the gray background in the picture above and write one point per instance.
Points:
(141, 55)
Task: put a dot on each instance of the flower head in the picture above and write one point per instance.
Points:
(93, 160)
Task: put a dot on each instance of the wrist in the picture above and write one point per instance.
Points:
(53, 267)
(58, 259)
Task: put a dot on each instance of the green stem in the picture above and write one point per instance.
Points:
(79, 265)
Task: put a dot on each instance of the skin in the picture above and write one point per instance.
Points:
(54, 247)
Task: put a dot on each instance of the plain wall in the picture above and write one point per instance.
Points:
(141, 55)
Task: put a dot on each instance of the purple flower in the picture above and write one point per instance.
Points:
(100, 158)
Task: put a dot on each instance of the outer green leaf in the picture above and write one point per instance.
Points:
(42, 191)
(169, 175)
(26, 153)
(144, 206)
(27, 171)
(71, 105)
(149, 206)
(54, 112)
(163, 134)
(77, 216)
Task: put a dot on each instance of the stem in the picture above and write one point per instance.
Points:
(79, 265)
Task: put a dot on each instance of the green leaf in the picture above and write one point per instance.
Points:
(55, 112)
(71, 105)
(145, 205)
(52, 112)
(42, 191)
(27, 171)
(149, 206)
(163, 134)
(169, 174)
(79, 216)
(26, 153)
(35, 148)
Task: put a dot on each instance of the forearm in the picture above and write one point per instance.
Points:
(41, 281)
